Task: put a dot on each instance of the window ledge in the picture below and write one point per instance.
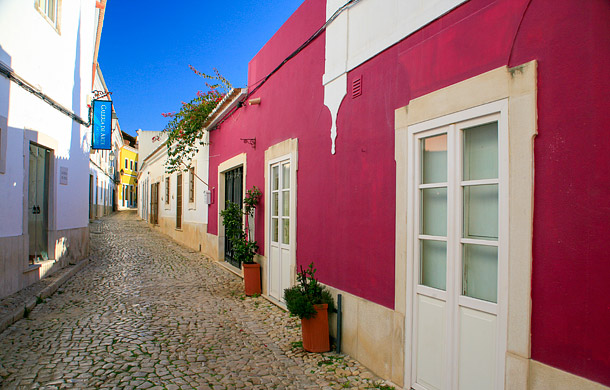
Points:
(32, 267)
(231, 268)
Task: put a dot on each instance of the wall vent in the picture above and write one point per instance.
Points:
(357, 87)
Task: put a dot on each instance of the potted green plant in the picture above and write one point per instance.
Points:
(244, 249)
(311, 302)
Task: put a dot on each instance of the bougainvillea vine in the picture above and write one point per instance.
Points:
(185, 130)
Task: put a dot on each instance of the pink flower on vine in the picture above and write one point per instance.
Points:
(168, 114)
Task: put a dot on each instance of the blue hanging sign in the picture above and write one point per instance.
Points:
(102, 125)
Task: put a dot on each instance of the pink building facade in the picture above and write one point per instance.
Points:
(446, 169)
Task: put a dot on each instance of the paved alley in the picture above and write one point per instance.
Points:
(149, 313)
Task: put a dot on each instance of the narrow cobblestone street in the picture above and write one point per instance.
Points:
(149, 313)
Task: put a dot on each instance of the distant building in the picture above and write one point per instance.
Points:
(149, 143)
(128, 168)
(103, 172)
(48, 56)
(175, 203)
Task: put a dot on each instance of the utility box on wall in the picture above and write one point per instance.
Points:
(207, 197)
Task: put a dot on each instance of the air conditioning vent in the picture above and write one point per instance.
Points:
(357, 87)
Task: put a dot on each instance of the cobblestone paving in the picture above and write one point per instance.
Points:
(148, 313)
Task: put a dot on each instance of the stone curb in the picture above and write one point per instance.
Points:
(31, 303)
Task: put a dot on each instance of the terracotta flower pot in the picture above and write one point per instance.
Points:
(315, 330)
(252, 278)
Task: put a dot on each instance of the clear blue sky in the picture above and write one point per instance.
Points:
(146, 48)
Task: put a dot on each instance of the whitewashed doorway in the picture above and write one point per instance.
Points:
(282, 219)
(458, 197)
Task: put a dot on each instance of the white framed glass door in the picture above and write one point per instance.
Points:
(281, 220)
(432, 260)
(458, 198)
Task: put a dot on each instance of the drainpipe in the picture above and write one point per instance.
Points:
(339, 323)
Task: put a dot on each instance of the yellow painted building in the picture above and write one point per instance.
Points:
(128, 168)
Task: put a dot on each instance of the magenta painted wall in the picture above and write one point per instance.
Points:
(291, 105)
(571, 269)
(346, 202)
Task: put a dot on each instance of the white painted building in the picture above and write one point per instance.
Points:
(128, 165)
(175, 203)
(48, 53)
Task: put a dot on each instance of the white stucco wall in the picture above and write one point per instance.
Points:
(148, 141)
(105, 187)
(371, 26)
(364, 30)
(59, 64)
(153, 170)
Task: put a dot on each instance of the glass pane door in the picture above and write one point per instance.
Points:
(281, 218)
(480, 187)
(433, 211)
(280, 203)
(457, 222)
(285, 208)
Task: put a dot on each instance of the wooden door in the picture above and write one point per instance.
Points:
(179, 201)
(154, 203)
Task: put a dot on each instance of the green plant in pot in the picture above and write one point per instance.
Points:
(311, 302)
(244, 249)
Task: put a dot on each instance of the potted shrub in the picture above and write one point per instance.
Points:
(311, 302)
(244, 252)
(244, 249)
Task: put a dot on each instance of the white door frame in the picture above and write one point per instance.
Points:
(227, 165)
(48, 142)
(292, 230)
(453, 300)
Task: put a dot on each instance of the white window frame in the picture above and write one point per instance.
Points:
(279, 162)
(223, 168)
(45, 6)
(451, 124)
